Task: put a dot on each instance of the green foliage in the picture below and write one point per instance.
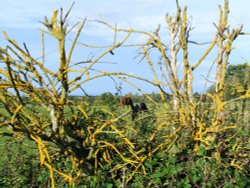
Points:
(186, 169)
(179, 166)
(19, 166)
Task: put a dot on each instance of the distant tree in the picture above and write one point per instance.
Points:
(237, 81)
(156, 97)
(106, 98)
(211, 89)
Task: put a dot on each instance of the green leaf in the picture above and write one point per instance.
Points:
(196, 178)
(201, 151)
(109, 185)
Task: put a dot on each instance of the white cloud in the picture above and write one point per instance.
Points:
(139, 14)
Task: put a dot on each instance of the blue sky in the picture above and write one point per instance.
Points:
(20, 19)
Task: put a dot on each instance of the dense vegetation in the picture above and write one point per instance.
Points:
(53, 139)
(176, 166)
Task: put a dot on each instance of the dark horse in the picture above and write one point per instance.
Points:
(136, 109)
